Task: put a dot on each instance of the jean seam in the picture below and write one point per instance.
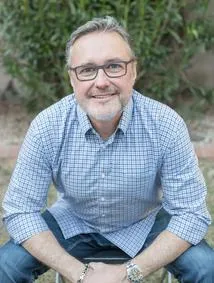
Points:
(70, 248)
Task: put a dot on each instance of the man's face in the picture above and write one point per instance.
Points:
(102, 98)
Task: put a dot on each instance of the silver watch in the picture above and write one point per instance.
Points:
(134, 273)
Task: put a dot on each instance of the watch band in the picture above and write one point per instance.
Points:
(134, 272)
(83, 274)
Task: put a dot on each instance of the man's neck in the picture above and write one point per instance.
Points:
(105, 128)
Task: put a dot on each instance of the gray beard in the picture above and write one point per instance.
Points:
(103, 117)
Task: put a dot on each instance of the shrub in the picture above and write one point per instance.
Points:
(34, 34)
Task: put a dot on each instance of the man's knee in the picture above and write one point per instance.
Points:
(3, 257)
(201, 256)
(7, 254)
(207, 261)
(7, 264)
(203, 265)
(196, 264)
(16, 264)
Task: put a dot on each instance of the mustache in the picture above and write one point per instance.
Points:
(108, 91)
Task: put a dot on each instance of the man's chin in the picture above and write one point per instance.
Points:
(102, 117)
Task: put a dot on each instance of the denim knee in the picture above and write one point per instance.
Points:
(202, 263)
(8, 270)
(195, 265)
(17, 265)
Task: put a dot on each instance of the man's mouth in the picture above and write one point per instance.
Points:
(103, 96)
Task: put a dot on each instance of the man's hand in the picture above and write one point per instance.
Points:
(106, 273)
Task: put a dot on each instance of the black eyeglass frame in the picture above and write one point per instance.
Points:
(103, 68)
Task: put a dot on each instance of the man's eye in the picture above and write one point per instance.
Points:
(114, 67)
(87, 70)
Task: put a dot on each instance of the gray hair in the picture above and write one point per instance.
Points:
(105, 24)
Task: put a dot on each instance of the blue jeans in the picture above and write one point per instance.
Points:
(17, 265)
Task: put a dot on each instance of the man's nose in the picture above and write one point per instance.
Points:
(101, 80)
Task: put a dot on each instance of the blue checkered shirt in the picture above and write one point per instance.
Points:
(114, 187)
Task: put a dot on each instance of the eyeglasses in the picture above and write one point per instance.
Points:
(113, 69)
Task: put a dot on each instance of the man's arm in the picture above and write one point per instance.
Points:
(165, 249)
(184, 188)
(27, 192)
(184, 193)
(26, 198)
(46, 249)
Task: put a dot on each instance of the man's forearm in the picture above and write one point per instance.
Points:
(46, 249)
(165, 249)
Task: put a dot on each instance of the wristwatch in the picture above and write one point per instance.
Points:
(134, 273)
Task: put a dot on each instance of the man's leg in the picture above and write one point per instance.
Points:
(19, 266)
(194, 265)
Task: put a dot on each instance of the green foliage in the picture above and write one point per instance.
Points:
(165, 37)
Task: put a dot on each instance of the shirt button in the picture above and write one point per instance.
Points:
(103, 175)
(102, 198)
(103, 215)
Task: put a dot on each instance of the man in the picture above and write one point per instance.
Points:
(126, 172)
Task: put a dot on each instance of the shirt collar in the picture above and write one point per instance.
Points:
(85, 124)
(126, 116)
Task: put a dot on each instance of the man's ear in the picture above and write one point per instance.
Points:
(134, 70)
(71, 78)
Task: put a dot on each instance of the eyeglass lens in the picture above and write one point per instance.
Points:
(115, 69)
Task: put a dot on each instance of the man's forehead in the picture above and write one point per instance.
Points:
(100, 46)
(105, 61)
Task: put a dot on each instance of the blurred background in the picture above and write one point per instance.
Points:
(173, 41)
(174, 44)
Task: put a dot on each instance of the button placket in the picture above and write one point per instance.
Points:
(104, 168)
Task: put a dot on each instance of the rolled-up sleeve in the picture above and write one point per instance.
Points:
(184, 189)
(28, 188)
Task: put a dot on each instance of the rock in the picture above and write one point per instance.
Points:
(201, 70)
(5, 81)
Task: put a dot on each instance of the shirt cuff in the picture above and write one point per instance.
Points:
(189, 227)
(23, 226)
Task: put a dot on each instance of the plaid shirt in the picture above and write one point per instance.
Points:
(114, 187)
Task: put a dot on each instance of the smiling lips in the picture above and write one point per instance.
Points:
(103, 96)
